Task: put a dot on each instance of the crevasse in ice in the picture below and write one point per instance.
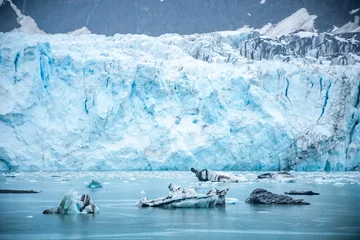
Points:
(133, 102)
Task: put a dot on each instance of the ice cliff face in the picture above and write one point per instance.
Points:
(132, 102)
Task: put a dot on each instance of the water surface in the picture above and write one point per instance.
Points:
(334, 214)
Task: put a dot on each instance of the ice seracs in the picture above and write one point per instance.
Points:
(232, 100)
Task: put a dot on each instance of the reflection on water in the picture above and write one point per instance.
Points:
(334, 214)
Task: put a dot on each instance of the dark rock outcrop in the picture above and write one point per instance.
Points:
(262, 196)
(295, 192)
(17, 191)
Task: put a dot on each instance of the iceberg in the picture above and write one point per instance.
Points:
(72, 203)
(262, 196)
(209, 175)
(232, 100)
(188, 198)
(94, 184)
(276, 177)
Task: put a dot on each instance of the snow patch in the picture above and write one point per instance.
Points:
(354, 11)
(80, 31)
(304, 34)
(350, 27)
(300, 20)
(265, 28)
(28, 24)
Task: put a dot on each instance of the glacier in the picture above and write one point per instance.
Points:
(230, 100)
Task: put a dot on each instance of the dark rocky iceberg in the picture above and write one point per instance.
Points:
(262, 196)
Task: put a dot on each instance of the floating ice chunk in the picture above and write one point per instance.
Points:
(276, 177)
(94, 184)
(262, 196)
(339, 184)
(29, 215)
(187, 198)
(231, 200)
(209, 175)
(296, 192)
(72, 203)
(142, 192)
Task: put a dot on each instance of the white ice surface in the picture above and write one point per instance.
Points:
(300, 20)
(350, 27)
(27, 23)
(354, 11)
(80, 31)
(133, 102)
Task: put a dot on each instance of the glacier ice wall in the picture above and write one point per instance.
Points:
(133, 102)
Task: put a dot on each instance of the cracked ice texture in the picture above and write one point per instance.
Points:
(133, 102)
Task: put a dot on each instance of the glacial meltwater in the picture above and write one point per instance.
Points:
(334, 214)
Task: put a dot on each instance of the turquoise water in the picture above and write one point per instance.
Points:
(334, 214)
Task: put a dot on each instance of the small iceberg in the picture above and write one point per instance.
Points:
(295, 192)
(94, 184)
(209, 175)
(187, 198)
(276, 177)
(231, 200)
(72, 203)
(262, 196)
